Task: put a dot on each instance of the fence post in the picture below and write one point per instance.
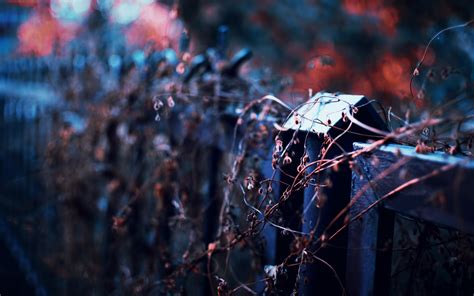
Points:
(318, 122)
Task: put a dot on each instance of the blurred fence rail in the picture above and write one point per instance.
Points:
(25, 129)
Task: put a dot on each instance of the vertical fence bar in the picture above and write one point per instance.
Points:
(383, 261)
(290, 210)
(23, 136)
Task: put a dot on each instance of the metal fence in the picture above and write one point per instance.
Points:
(27, 214)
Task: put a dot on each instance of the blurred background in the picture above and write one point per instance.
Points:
(66, 65)
(357, 46)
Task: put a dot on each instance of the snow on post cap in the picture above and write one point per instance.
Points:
(322, 111)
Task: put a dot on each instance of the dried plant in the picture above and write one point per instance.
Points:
(158, 165)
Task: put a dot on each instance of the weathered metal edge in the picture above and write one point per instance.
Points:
(409, 151)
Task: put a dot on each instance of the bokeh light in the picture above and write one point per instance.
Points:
(72, 10)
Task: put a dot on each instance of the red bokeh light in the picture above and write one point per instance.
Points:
(387, 16)
(331, 70)
(42, 32)
(157, 25)
(325, 68)
(28, 3)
